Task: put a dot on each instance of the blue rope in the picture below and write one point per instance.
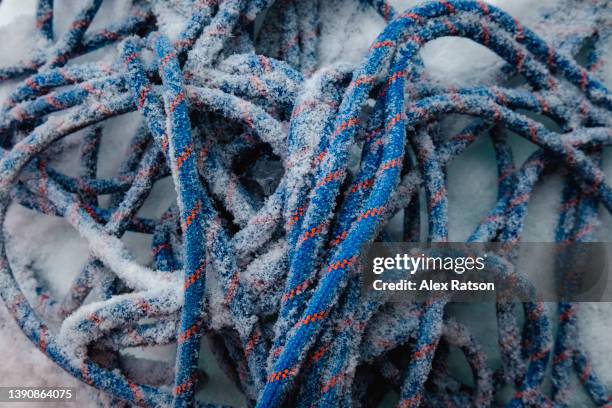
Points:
(283, 172)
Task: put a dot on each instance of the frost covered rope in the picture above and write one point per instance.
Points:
(283, 171)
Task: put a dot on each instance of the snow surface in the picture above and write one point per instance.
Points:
(346, 33)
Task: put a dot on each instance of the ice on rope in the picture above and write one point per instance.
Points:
(251, 180)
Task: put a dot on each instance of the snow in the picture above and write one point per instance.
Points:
(21, 29)
(25, 365)
(11, 11)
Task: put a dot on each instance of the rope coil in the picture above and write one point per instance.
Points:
(259, 253)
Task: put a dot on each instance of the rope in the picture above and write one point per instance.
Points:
(283, 172)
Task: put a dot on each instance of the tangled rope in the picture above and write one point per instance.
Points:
(259, 254)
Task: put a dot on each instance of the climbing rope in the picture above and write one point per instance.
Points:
(284, 171)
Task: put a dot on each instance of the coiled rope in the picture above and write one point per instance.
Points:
(266, 267)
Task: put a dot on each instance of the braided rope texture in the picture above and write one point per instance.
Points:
(283, 171)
